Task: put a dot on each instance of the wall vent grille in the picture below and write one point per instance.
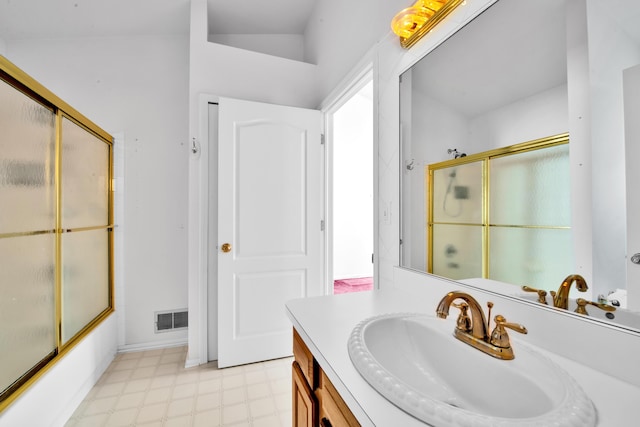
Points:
(171, 320)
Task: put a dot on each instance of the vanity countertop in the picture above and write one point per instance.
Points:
(325, 323)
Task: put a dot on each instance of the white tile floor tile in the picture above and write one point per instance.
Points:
(152, 388)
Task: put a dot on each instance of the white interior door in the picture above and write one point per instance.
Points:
(632, 154)
(269, 225)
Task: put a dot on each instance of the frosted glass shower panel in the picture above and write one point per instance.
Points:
(85, 279)
(27, 304)
(457, 194)
(85, 178)
(27, 163)
(536, 257)
(531, 188)
(55, 223)
(457, 251)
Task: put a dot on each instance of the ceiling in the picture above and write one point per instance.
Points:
(20, 19)
(25, 19)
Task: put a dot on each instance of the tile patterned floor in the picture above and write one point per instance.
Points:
(152, 388)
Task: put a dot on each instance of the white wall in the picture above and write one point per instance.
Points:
(137, 86)
(607, 132)
(290, 46)
(544, 114)
(538, 116)
(339, 33)
(580, 146)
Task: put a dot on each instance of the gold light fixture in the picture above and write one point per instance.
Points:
(412, 23)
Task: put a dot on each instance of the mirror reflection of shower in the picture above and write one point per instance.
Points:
(458, 192)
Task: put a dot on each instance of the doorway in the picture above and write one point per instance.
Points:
(350, 125)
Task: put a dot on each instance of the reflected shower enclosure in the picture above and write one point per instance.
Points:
(503, 214)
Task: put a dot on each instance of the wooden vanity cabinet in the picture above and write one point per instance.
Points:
(316, 402)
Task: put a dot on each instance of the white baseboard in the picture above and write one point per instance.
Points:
(152, 345)
(192, 362)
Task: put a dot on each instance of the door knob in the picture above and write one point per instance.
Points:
(226, 247)
(635, 258)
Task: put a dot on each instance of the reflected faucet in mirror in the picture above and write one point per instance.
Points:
(542, 294)
(561, 297)
(474, 330)
(582, 306)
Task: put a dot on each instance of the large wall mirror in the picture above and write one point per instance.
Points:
(526, 71)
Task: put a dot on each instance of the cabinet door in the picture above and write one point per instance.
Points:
(333, 411)
(304, 402)
(305, 359)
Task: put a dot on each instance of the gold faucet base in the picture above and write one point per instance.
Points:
(485, 347)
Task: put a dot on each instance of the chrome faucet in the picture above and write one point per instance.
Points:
(475, 331)
(561, 298)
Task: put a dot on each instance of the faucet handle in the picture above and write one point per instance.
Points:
(463, 322)
(582, 306)
(542, 294)
(499, 336)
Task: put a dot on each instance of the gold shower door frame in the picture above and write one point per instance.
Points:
(25, 84)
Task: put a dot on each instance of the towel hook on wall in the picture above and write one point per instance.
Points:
(195, 147)
(410, 164)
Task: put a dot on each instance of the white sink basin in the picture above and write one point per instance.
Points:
(415, 362)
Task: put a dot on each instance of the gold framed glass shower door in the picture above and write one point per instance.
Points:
(56, 231)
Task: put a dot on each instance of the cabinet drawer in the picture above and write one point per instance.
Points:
(305, 359)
